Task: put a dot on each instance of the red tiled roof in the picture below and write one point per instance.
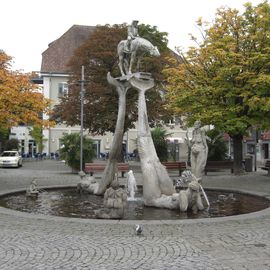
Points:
(55, 58)
(266, 135)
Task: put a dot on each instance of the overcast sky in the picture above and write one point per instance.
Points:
(28, 26)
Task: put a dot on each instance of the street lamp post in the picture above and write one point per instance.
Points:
(81, 173)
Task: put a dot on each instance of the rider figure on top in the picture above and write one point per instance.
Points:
(132, 31)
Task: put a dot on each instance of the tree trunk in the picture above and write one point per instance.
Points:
(156, 181)
(116, 148)
(238, 154)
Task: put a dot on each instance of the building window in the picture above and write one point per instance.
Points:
(250, 148)
(170, 122)
(62, 89)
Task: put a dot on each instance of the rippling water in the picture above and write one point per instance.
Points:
(68, 203)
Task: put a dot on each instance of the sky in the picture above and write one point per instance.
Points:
(28, 26)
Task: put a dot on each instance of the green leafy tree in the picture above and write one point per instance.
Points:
(12, 144)
(70, 150)
(225, 79)
(217, 147)
(4, 133)
(36, 133)
(99, 56)
(159, 136)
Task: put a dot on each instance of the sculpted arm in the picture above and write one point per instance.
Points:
(189, 142)
(204, 137)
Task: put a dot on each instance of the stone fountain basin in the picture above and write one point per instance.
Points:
(66, 202)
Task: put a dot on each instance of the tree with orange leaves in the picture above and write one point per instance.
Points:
(20, 100)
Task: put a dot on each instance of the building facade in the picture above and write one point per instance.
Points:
(27, 144)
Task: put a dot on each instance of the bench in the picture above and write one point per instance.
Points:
(175, 165)
(100, 167)
(266, 167)
(218, 165)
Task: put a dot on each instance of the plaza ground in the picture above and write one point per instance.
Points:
(30, 242)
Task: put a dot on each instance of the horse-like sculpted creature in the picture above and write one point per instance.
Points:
(138, 48)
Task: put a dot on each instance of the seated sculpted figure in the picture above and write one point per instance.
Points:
(87, 184)
(115, 202)
(32, 189)
(191, 198)
(132, 32)
(133, 49)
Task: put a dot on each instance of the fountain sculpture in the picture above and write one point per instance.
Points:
(158, 188)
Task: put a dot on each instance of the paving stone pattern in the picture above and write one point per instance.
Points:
(30, 242)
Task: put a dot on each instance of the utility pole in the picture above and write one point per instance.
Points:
(256, 143)
(81, 173)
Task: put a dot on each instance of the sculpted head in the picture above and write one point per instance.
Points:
(197, 124)
(154, 51)
(135, 23)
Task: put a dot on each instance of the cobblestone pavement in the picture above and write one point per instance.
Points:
(30, 242)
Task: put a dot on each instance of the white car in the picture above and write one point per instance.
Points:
(10, 159)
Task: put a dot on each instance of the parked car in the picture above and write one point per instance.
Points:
(10, 159)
